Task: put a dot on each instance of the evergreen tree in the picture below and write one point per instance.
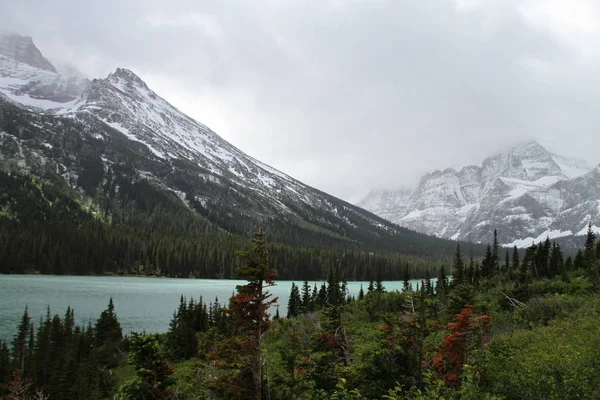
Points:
(579, 262)
(428, 287)
(19, 344)
(495, 265)
(153, 373)
(306, 304)
(487, 265)
(109, 336)
(240, 356)
(371, 287)
(5, 363)
(361, 293)
(556, 265)
(379, 288)
(182, 342)
(294, 302)
(315, 296)
(589, 256)
(322, 297)
(406, 281)
(458, 267)
(515, 260)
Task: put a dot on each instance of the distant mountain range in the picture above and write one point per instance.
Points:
(94, 134)
(526, 193)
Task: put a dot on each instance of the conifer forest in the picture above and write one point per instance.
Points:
(509, 325)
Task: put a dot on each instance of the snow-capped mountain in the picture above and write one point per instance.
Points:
(526, 193)
(97, 133)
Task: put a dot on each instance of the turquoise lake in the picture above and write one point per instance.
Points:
(142, 304)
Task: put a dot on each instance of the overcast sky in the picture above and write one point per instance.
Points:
(348, 95)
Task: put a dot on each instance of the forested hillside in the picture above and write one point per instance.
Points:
(64, 210)
(46, 227)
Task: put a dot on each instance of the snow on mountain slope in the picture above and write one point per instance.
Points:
(146, 136)
(125, 102)
(37, 88)
(526, 193)
(572, 168)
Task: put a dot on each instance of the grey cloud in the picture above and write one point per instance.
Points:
(344, 96)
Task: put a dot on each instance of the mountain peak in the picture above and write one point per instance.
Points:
(127, 76)
(529, 147)
(22, 49)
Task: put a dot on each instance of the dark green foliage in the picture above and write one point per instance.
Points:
(20, 348)
(182, 342)
(5, 363)
(239, 357)
(307, 304)
(458, 267)
(153, 375)
(65, 361)
(145, 231)
(294, 301)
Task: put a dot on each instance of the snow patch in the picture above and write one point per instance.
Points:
(125, 132)
(582, 232)
(550, 234)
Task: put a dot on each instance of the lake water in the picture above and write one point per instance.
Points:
(142, 304)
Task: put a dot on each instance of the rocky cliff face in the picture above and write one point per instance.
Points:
(30, 80)
(527, 194)
(21, 48)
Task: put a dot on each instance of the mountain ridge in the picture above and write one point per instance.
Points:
(520, 192)
(101, 135)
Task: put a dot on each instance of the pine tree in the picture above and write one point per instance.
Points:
(579, 261)
(371, 287)
(240, 355)
(495, 266)
(315, 297)
(293, 302)
(322, 297)
(458, 267)
(406, 280)
(556, 265)
(428, 287)
(487, 265)
(5, 363)
(361, 293)
(306, 304)
(379, 288)
(589, 256)
(109, 335)
(515, 267)
(153, 373)
(19, 344)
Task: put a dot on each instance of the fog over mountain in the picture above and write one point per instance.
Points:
(348, 95)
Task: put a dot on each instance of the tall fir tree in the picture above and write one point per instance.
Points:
(306, 304)
(294, 301)
(240, 356)
(458, 267)
(19, 344)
